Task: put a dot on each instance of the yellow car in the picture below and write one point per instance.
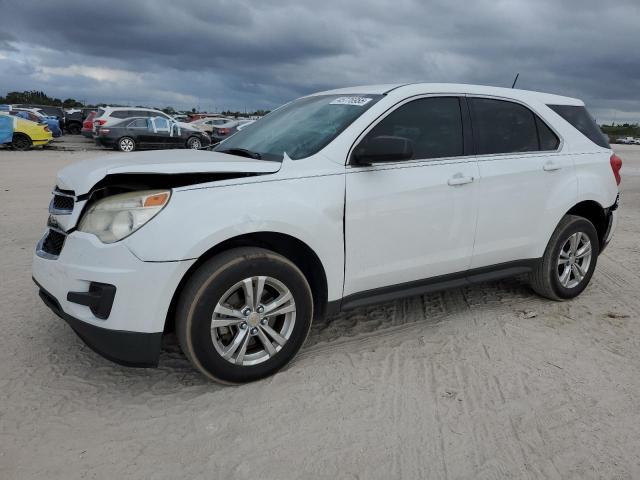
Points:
(23, 134)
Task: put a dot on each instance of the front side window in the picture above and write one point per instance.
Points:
(300, 128)
(433, 125)
(500, 126)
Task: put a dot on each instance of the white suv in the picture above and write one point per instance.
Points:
(333, 201)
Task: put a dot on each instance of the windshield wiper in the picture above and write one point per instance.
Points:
(242, 152)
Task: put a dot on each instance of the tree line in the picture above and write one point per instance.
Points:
(37, 97)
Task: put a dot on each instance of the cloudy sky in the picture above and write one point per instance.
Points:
(242, 54)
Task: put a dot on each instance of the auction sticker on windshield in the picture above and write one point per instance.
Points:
(357, 101)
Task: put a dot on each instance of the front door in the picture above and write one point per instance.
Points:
(412, 220)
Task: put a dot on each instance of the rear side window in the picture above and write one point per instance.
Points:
(579, 117)
(138, 123)
(121, 114)
(434, 125)
(500, 126)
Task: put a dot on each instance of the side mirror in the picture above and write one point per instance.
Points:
(384, 148)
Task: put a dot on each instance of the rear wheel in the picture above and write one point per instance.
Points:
(569, 260)
(21, 141)
(74, 128)
(126, 144)
(194, 142)
(244, 315)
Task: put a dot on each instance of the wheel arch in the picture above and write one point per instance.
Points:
(297, 251)
(595, 213)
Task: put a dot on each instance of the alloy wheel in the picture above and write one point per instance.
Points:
(574, 260)
(253, 320)
(126, 145)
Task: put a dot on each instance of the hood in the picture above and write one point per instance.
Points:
(81, 176)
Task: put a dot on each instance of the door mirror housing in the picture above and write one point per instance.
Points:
(384, 148)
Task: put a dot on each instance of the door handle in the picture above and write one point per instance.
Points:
(551, 166)
(459, 179)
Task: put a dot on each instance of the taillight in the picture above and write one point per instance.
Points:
(616, 165)
(223, 131)
(100, 122)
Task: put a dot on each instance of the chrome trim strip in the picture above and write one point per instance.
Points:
(57, 191)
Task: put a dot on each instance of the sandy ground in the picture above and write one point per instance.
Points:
(478, 383)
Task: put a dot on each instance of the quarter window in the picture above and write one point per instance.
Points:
(434, 126)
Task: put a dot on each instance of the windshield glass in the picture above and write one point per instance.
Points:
(300, 128)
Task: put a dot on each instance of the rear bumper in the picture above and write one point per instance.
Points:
(104, 142)
(612, 223)
(133, 349)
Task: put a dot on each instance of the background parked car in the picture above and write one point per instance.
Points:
(220, 132)
(48, 110)
(149, 133)
(87, 125)
(206, 124)
(22, 134)
(110, 115)
(75, 118)
(35, 116)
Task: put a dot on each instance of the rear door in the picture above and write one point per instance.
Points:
(525, 181)
(161, 131)
(412, 220)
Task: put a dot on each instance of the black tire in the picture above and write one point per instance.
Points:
(21, 142)
(208, 285)
(194, 143)
(74, 128)
(545, 279)
(124, 146)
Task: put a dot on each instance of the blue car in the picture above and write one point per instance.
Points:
(52, 122)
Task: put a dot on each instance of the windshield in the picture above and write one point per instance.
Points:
(300, 128)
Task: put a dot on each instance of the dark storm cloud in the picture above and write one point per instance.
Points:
(259, 54)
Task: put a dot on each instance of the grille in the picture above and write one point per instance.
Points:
(63, 203)
(54, 242)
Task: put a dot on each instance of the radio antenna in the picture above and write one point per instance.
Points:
(515, 80)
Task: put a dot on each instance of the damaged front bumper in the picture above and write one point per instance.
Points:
(114, 301)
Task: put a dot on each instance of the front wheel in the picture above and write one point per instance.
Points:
(569, 260)
(243, 315)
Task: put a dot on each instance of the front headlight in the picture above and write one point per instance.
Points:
(114, 218)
